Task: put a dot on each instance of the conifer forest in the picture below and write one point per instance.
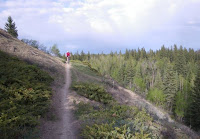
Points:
(169, 77)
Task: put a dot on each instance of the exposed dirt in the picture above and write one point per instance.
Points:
(53, 65)
(65, 126)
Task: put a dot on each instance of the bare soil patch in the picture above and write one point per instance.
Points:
(65, 125)
(53, 65)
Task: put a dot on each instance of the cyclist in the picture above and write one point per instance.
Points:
(68, 56)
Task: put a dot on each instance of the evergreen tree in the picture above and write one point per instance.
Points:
(191, 54)
(82, 56)
(55, 51)
(143, 53)
(151, 54)
(88, 56)
(158, 81)
(163, 52)
(180, 63)
(130, 74)
(122, 74)
(11, 28)
(170, 86)
(195, 104)
(127, 54)
(171, 56)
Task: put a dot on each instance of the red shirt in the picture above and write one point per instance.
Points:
(68, 54)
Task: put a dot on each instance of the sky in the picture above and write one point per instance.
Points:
(106, 25)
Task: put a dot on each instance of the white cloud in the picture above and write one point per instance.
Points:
(109, 20)
(100, 25)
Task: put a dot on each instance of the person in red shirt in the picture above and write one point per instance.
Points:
(68, 56)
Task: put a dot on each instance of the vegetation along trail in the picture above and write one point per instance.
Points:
(63, 127)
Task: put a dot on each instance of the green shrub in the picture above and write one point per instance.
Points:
(113, 121)
(84, 68)
(112, 112)
(92, 91)
(107, 131)
(91, 68)
(24, 96)
(156, 96)
(180, 105)
(140, 83)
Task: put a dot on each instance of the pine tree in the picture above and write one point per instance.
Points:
(55, 51)
(143, 53)
(180, 63)
(88, 56)
(151, 54)
(127, 54)
(195, 104)
(170, 86)
(163, 52)
(130, 74)
(158, 81)
(11, 28)
(82, 57)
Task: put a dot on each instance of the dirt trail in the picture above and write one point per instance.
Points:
(65, 126)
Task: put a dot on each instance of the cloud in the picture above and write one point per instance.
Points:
(112, 23)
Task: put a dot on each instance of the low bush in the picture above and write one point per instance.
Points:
(92, 91)
(140, 83)
(90, 66)
(114, 121)
(156, 96)
(107, 131)
(24, 96)
(84, 68)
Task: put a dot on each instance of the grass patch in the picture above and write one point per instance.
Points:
(92, 91)
(84, 68)
(24, 96)
(73, 76)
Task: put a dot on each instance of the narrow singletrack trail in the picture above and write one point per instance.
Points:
(64, 127)
(66, 118)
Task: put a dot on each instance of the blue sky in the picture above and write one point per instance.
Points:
(105, 25)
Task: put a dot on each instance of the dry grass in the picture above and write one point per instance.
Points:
(54, 66)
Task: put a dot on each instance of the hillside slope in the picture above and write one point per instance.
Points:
(32, 55)
(162, 126)
(24, 97)
(53, 65)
